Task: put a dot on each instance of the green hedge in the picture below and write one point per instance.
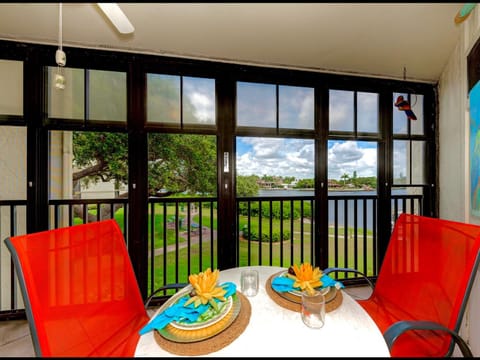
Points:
(253, 235)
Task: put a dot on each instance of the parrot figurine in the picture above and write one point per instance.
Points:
(464, 12)
(403, 105)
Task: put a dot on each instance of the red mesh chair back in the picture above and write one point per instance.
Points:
(426, 275)
(80, 292)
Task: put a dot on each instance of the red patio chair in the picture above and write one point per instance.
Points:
(80, 292)
(423, 286)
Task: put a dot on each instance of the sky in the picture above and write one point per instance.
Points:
(295, 157)
(257, 106)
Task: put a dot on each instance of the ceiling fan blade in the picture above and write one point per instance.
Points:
(117, 17)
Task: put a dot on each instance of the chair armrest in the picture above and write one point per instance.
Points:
(396, 329)
(337, 269)
(162, 288)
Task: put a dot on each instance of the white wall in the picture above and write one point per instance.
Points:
(454, 177)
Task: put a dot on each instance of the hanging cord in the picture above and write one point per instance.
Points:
(60, 57)
(60, 26)
(411, 91)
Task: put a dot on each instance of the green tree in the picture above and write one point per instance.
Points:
(247, 185)
(182, 163)
(176, 163)
(305, 184)
(100, 157)
(370, 181)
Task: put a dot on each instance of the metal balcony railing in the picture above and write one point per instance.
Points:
(182, 233)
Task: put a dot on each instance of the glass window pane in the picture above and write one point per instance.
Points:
(275, 166)
(60, 184)
(182, 164)
(352, 171)
(13, 180)
(352, 165)
(400, 162)
(418, 162)
(341, 110)
(367, 112)
(163, 98)
(87, 165)
(107, 95)
(409, 162)
(296, 107)
(72, 153)
(400, 120)
(13, 163)
(417, 108)
(198, 101)
(67, 103)
(11, 87)
(256, 105)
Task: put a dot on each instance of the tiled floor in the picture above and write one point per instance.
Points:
(15, 338)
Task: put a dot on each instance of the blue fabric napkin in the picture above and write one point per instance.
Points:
(284, 284)
(188, 313)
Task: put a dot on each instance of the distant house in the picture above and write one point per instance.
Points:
(332, 184)
(102, 190)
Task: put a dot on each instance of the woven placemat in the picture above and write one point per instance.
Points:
(296, 306)
(214, 343)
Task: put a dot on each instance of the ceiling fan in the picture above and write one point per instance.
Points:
(116, 16)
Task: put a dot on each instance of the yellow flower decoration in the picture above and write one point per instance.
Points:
(306, 277)
(205, 289)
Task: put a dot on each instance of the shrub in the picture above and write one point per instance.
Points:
(276, 236)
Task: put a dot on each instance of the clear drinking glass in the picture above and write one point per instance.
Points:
(313, 309)
(249, 282)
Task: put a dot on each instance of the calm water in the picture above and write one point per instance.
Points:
(340, 204)
(293, 192)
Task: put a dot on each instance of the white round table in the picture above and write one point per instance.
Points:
(275, 331)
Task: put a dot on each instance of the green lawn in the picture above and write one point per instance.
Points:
(200, 258)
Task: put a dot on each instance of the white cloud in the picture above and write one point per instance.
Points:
(200, 92)
(346, 152)
(295, 157)
(274, 156)
(204, 109)
(349, 156)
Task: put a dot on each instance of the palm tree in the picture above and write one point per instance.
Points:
(345, 177)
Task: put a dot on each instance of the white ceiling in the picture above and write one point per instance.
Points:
(369, 39)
